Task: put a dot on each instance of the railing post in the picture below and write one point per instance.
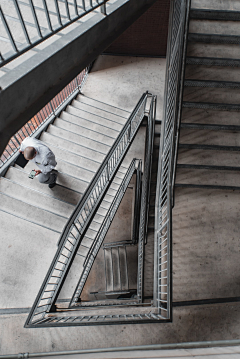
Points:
(103, 9)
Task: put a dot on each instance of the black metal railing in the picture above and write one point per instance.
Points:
(82, 216)
(135, 166)
(39, 22)
(42, 118)
(145, 197)
(164, 196)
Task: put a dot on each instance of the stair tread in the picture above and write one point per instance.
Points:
(32, 196)
(101, 127)
(104, 106)
(77, 148)
(76, 138)
(214, 14)
(98, 112)
(221, 51)
(32, 213)
(63, 193)
(212, 61)
(84, 132)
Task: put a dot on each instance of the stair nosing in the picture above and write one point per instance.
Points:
(211, 167)
(210, 147)
(214, 39)
(211, 84)
(188, 185)
(211, 12)
(212, 127)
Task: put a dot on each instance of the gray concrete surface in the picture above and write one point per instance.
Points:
(119, 81)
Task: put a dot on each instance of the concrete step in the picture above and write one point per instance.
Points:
(73, 158)
(211, 84)
(86, 133)
(35, 197)
(21, 266)
(208, 176)
(32, 213)
(216, 27)
(211, 106)
(220, 73)
(208, 157)
(71, 136)
(99, 127)
(77, 112)
(210, 117)
(213, 39)
(99, 112)
(211, 95)
(59, 192)
(76, 148)
(212, 61)
(232, 5)
(103, 106)
(68, 169)
(215, 15)
(206, 137)
(226, 51)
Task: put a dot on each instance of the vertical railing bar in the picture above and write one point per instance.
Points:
(8, 31)
(35, 18)
(67, 9)
(22, 21)
(47, 15)
(58, 12)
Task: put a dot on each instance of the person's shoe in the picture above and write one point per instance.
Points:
(51, 185)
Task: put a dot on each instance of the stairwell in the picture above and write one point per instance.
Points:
(80, 139)
(206, 213)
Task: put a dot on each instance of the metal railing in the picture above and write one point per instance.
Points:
(48, 113)
(136, 165)
(145, 197)
(164, 198)
(39, 22)
(82, 216)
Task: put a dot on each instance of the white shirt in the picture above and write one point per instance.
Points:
(44, 159)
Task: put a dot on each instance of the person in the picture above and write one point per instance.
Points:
(37, 152)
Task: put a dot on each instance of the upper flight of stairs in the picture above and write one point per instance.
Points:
(80, 138)
(209, 144)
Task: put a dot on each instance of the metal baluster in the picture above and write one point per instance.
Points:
(84, 5)
(8, 31)
(1, 57)
(58, 12)
(91, 3)
(103, 9)
(67, 9)
(22, 21)
(35, 18)
(75, 7)
(47, 15)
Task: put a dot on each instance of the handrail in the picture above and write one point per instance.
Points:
(47, 114)
(145, 196)
(81, 217)
(70, 14)
(89, 260)
(172, 105)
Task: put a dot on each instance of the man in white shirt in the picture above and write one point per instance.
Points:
(35, 151)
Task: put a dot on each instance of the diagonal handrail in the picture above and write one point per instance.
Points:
(135, 165)
(19, 49)
(81, 217)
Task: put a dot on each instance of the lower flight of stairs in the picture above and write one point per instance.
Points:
(80, 138)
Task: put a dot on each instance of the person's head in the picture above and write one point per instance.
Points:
(29, 153)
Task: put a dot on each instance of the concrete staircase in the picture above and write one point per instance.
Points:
(205, 215)
(209, 141)
(80, 138)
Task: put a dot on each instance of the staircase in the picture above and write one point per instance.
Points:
(80, 138)
(208, 171)
(209, 141)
